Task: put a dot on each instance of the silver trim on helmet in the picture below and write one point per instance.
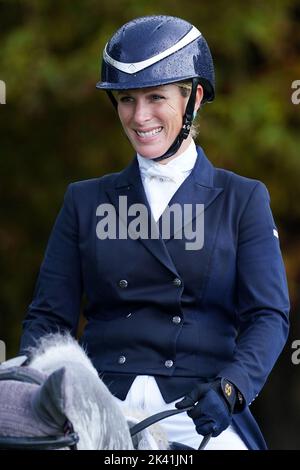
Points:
(193, 34)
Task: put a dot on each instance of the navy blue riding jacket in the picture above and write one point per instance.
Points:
(152, 306)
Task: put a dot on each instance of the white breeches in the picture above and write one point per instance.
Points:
(144, 395)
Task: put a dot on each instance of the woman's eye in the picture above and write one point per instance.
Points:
(126, 99)
(157, 97)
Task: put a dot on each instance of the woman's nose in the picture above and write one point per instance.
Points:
(141, 112)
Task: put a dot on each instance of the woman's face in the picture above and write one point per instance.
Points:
(152, 118)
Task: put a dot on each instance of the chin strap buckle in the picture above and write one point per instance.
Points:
(186, 129)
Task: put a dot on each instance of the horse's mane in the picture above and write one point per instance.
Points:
(57, 349)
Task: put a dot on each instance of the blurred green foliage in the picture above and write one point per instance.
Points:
(57, 128)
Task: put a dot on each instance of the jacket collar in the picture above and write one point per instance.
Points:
(202, 173)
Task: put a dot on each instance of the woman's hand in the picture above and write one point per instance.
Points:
(213, 405)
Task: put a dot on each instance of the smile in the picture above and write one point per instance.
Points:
(151, 133)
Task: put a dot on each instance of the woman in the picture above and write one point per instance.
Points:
(187, 300)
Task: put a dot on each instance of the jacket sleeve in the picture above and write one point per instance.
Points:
(57, 297)
(262, 298)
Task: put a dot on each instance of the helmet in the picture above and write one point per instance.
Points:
(157, 50)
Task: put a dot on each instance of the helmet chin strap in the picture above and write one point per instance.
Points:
(186, 126)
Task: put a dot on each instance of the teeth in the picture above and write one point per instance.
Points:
(149, 133)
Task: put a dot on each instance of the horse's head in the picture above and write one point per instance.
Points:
(69, 390)
(23, 415)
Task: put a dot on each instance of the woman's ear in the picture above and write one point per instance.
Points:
(199, 97)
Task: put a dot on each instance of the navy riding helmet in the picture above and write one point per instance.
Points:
(158, 50)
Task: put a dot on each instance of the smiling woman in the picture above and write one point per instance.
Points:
(171, 320)
(152, 118)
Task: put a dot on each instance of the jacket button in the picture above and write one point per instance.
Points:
(177, 282)
(176, 319)
(123, 283)
(169, 364)
(122, 360)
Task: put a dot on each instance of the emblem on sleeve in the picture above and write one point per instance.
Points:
(228, 389)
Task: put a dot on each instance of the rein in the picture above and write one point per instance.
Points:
(162, 415)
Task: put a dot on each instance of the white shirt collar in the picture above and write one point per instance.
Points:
(184, 162)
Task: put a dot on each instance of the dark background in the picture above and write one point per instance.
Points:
(57, 128)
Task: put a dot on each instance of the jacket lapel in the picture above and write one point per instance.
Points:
(194, 196)
(130, 190)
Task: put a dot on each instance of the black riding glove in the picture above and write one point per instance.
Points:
(213, 405)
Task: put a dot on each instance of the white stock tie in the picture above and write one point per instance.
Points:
(160, 183)
(163, 173)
